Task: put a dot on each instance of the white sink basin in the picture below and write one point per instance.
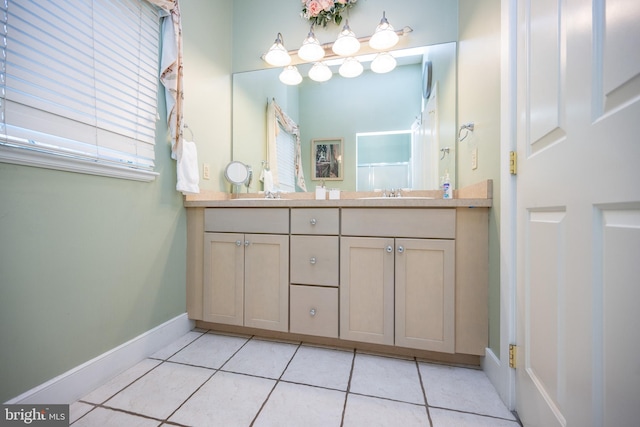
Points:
(397, 198)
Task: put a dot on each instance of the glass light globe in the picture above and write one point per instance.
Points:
(320, 72)
(277, 54)
(290, 76)
(351, 67)
(383, 63)
(384, 37)
(346, 44)
(311, 50)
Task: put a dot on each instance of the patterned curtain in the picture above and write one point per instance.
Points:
(275, 116)
(171, 74)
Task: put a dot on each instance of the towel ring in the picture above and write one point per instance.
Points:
(186, 126)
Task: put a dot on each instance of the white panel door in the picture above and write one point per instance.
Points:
(578, 213)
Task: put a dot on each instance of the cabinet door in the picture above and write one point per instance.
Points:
(266, 282)
(223, 278)
(425, 294)
(366, 289)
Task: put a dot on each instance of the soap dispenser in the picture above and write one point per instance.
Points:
(447, 191)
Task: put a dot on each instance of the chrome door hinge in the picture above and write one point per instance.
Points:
(512, 356)
(513, 162)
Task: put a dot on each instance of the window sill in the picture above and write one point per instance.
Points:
(69, 164)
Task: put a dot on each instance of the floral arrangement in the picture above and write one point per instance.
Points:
(321, 12)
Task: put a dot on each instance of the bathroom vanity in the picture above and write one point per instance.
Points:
(404, 275)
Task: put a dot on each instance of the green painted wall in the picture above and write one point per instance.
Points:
(479, 102)
(86, 262)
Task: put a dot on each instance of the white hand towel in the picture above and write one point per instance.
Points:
(267, 179)
(187, 169)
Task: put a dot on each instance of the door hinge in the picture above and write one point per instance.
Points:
(512, 355)
(513, 163)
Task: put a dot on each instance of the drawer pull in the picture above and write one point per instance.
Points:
(313, 260)
(389, 249)
(312, 312)
(246, 243)
(400, 249)
(238, 243)
(313, 221)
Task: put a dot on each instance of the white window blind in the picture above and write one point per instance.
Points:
(80, 85)
(285, 146)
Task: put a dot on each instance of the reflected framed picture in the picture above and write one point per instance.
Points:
(326, 159)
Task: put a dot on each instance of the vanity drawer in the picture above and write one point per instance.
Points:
(314, 260)
(313, 310)
(424, 223)
(247, 220)
(315, 221)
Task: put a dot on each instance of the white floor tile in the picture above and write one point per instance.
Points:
(209, 351)
(386, 377)
(300, 405)
(118, 383)
(261, 358)
(321, 367)
(445, 418)
(177, 345)
(161, 391)
(78, 409)
(462, 389)
(225, 400)
(108, 418)
(364, 411)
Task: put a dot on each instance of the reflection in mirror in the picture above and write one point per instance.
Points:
(344, 108)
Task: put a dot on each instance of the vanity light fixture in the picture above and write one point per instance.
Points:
(277, 54)
(384, 36)
(346, 44)
(320, 72)
(383, 63)
(290, 75)
(351, 67)
(311, 50)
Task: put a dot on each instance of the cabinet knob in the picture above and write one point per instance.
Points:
(238, 243)
(313, 221)
(400, 249)
(246, 243)
(389, 249)
(312, 312)
(313, 260)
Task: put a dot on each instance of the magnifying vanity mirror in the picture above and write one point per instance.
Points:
(238, 174)
(343, 108)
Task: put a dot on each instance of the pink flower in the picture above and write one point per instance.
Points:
(313, 8)
(326, 4)
(342, 1)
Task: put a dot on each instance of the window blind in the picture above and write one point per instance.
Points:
(285, 146)
(80, 83)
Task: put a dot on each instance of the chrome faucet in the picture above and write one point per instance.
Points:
(272, 194)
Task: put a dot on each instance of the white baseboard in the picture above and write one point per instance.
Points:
(79, 381)
(495, 371)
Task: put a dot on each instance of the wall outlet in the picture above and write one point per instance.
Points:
(205, 171)
(474, 159)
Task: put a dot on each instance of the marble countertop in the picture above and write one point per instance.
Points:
(478, 195)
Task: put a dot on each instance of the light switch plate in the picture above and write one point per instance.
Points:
(474, 159)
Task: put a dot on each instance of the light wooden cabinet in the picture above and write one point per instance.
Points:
(314, 271)
(246, 275)
(366, 289)
(408, 277)
(394, 290)
(425, 294)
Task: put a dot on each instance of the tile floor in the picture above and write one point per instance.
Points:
(212, 379)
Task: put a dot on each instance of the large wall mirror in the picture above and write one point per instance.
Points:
(351, 109)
